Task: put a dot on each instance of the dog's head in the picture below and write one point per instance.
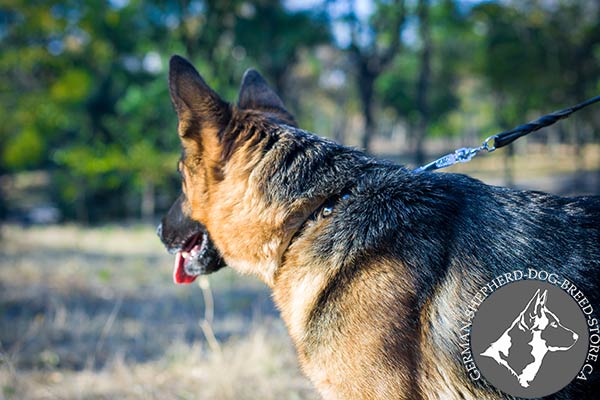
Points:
(537, 317)
(231, 210)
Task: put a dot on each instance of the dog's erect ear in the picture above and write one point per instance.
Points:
(537, 304)
(532, 310)
(540, 303)
(194, 100)
(255, 94)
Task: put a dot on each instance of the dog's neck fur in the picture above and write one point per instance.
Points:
(301, 289)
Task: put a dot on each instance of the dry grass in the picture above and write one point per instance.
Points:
(256, 366)
(92, 314)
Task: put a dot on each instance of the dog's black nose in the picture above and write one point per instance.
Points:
(159, 230)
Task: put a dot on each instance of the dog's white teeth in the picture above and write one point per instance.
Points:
(194, 253)
(185, 254)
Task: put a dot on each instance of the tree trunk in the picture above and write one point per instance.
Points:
(370, 63)
(369, 127)
(579, 140)
(3, 202)
(81, 206)
(419, 149)
(509, 177)
(366, 83)
(148, 204)
(423, 82)
(189, 42)
(341, 123)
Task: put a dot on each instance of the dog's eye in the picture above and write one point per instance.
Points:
(326, 211)
(554, 325)
(328, 206)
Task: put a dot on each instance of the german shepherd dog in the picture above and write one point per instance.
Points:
(369, 263)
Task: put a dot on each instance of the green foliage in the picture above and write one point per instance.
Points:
(24, 149)
(72, 87)
(84, 91)
(88, 162)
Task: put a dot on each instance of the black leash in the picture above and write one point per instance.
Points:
(501, 139)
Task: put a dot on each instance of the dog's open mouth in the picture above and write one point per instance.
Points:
(187, 260)
(197, 257)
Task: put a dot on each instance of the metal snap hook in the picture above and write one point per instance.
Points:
(485, 145)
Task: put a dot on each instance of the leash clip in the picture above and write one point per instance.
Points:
(503, 138)
(486, 146)
(462, 155)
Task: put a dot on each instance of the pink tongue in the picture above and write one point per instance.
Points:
(179, 274)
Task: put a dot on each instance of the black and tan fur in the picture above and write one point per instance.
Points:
(370, 264)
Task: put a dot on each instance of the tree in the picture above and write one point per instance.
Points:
(421, 84)
(423, 81)
(373, 46)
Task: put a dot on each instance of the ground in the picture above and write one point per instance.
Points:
(93, 314)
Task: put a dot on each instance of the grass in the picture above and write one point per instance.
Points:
(93, 314)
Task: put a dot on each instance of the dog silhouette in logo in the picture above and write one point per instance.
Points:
(532, 335)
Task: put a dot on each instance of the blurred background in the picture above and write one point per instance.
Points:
(88, 151)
